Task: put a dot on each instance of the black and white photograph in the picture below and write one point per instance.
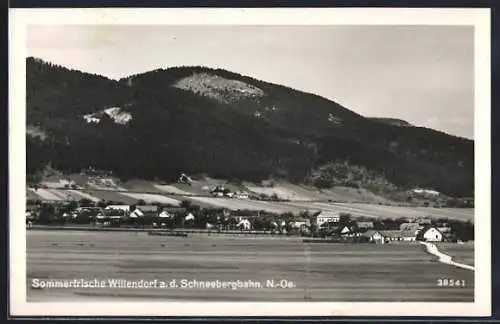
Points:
(250, 162)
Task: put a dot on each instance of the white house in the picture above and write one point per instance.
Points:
(241, 195)
(425, 192)
(374, 236)
(399, 235)
(244, 224)
(189, 217)
(165, 214)
(327, 216)
(298, 223)
(136, 213)
(125, 208)
(344, 231)
(432, 234)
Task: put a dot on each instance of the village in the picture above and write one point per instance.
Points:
(327, 224)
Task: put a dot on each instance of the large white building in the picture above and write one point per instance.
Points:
(327, 217)
(432, 234)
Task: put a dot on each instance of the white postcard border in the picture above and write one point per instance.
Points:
(20, 18)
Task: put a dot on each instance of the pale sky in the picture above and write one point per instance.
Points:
(422, 74)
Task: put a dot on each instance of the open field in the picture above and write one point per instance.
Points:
(355, 209)
(152, 198)
(319, 272)
(290, 191)
(282, 192)
(58, 194)
(174, 190)
(201, 186)
(462, 253)
(82, 195)
(382, 211)
(112, 196)
(32, 195)
(140, 186)
(241, 204)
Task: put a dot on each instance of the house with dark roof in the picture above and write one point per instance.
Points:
(399, 235)
(220, 191)
(301, 222)
(374, 236)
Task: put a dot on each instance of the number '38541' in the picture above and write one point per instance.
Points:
(448, 282)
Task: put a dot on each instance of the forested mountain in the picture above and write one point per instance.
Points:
(200, 120)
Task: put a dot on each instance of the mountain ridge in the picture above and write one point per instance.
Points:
(281, 132)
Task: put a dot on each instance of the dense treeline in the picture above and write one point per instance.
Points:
(175, 131)
(66, 214)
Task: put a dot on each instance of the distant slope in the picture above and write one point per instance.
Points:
(392, 121)
(201, 120)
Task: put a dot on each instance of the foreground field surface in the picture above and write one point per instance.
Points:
(319, 272)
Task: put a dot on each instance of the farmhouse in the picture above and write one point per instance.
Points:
(244, 224)
(125, 208)
(346, 231)
(301, 222)
(241, 195)
(136, 213)
(150, 209)
(398, 235)
(114, 215)
(144, 210)
(431, 234)
(85, 213)
(185, 179)
(165, 214)
(250, 215)
(374, 236)
(220, 191)
(327, 217)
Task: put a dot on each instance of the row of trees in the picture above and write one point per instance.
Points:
(220, 218)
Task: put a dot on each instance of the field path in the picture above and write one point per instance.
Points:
(444, 258)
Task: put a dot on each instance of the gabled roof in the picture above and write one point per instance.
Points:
(397, 233)
(136, 213)
(121, 207)
(370, 233)
(165, 214)
(427, 228)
